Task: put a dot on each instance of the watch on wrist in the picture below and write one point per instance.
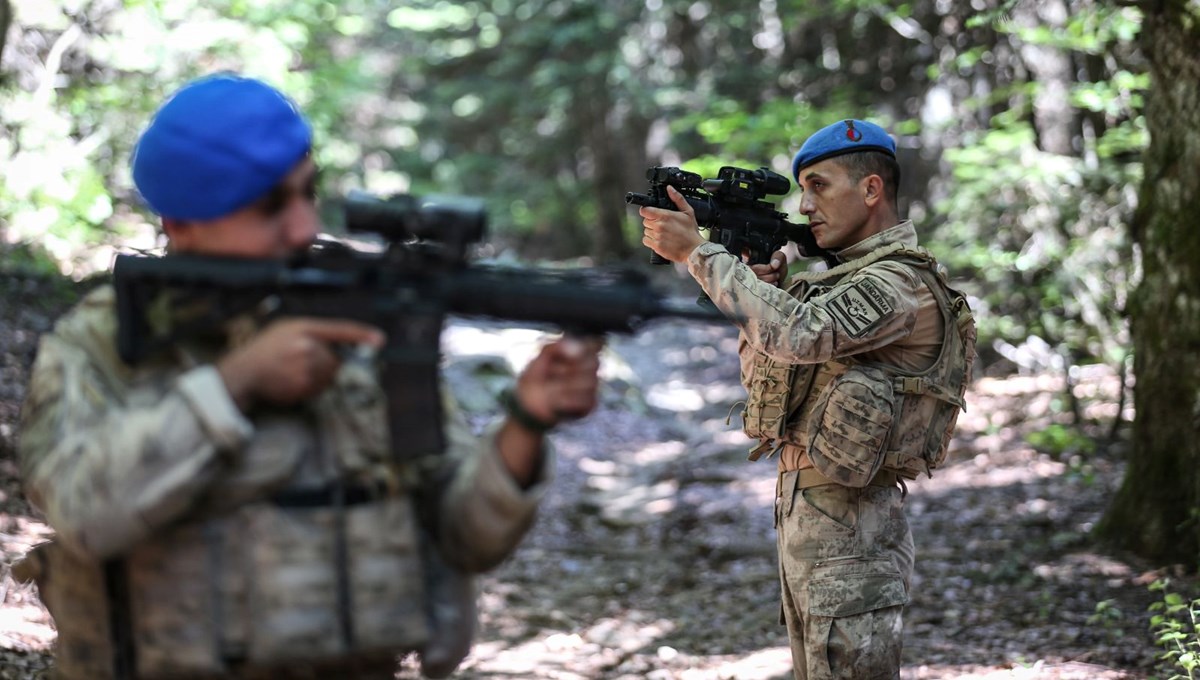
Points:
(524, 418)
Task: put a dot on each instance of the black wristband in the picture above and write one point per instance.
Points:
(524, 418)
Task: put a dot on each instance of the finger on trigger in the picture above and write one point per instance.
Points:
(678, 199)
(345, 331)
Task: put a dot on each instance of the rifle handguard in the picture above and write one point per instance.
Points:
(512, 405)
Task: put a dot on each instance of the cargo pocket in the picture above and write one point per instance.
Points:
(853, 604)
(854, 608)
(840, 589)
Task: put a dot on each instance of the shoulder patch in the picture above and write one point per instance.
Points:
(860, 307)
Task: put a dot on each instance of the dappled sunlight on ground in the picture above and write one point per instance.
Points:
(1038, 670)
(980, 470)
(555, 654)
(24, 623)
(679, 396)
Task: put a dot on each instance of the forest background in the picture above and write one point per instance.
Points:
(1022, 127)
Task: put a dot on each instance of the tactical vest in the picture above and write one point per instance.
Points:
(856, 417)
(340, 574)
(267, 585)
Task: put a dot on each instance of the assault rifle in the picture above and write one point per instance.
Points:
(732, 209)
(407, 290)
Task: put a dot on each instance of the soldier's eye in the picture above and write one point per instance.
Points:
(274, 201)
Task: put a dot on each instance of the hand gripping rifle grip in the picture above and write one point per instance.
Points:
(633, 198)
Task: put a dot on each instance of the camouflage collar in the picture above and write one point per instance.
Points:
(904, 233)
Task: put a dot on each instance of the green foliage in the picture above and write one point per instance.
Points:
(1114, 97)
(1042, 237)
(1091, 32)
(1107, 615)
(1078, 466)
(1060, 440)
(526, 106)
(69, 129)
(768, 135)
(26, 260)
(1175, 625)
(30, 278)
(999, 15)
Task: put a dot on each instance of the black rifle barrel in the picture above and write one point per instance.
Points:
(578, 301)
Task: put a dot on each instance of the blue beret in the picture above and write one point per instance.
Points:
(844, 136)
(216, 146)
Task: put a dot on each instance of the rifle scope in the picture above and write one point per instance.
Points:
(442, 218)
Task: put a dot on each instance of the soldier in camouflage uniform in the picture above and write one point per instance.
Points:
(231, 508)
(855, 376)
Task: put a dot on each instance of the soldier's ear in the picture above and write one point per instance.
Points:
(872, 189)
(179, 233)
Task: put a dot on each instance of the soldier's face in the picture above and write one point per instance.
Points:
(282, 222)
(836, 206)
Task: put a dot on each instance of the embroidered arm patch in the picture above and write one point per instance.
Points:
(859, 308)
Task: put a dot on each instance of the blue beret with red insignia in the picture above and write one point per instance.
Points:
(845, 136)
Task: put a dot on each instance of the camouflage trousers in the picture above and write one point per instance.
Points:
(845, 561)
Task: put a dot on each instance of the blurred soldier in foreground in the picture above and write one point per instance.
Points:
(855, 378)
(231, 508)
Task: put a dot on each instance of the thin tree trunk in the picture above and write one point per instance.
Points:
(606, 146)
(5, 20)
(1155, 513)
(1051, 66)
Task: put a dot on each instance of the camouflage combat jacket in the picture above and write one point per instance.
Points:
(193, 540)
(859, 368)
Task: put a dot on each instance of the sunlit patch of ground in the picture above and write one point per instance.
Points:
(26, 630)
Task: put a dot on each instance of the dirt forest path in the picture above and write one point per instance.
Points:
(653, 556)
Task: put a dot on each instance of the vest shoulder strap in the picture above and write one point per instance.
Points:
(850, 267)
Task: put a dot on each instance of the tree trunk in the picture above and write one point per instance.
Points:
(605, 143)
(5, 20)
(1053, 116)
(1156, 513)
(610, 242)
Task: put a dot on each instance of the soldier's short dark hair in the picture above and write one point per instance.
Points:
(864, 163)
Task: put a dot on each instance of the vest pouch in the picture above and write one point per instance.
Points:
(769, 386)
(849, 425)
(278, 585)
(311, 600)
(186, 598)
